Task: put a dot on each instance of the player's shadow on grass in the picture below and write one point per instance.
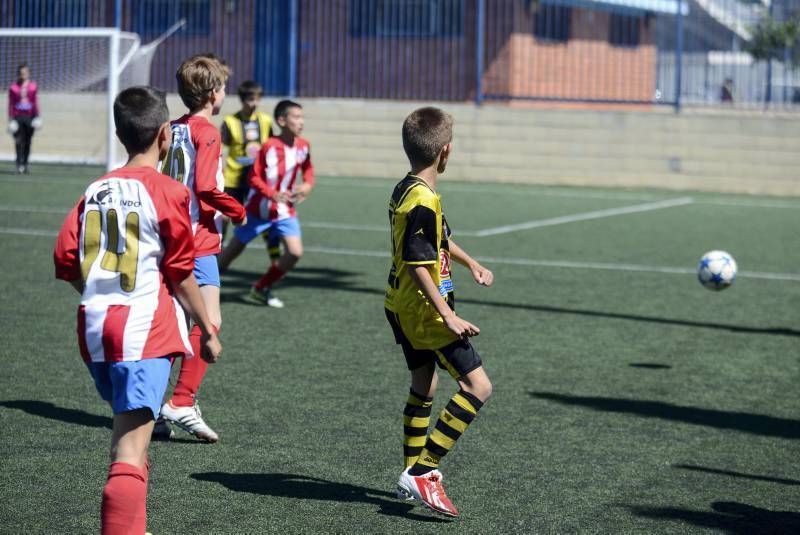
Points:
(650, 365)
(314, 488)
(745, 422)
(753, 477)
(731, 517)
(301, 277)
(46, 409)
(336, 279)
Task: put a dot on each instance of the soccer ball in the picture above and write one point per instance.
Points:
(717, 270)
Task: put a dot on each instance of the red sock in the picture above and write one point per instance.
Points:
(124, 508)
(272, 276)
(191, 375)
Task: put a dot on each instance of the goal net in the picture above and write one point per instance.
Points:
(78, 71)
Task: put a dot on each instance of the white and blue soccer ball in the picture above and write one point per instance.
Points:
(717, 270)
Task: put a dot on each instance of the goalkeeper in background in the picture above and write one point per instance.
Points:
(23, 115)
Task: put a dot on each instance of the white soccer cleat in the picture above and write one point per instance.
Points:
(265, 297)
(428, 489)
(190, 419)
(273, 301)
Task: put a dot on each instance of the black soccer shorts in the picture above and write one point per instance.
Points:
(458, 358)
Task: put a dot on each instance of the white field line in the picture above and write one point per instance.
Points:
(489, 259)
(506, 189)
(565, 264)
(586, 216)
(28, 232)
(310, 224)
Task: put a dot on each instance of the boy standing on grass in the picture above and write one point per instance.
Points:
(420, 307)
(243, 133)
(273, 194)
(195, 159)
(127, 248)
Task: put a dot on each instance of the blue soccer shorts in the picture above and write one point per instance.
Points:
(130, 386)
(206, 271)
(255, 226)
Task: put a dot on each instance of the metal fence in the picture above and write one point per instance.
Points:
(609, 51)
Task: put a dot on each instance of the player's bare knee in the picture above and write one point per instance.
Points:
(478, 385)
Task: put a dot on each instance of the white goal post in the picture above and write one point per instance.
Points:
(79, 72)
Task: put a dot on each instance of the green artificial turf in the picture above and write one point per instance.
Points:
(625, 400)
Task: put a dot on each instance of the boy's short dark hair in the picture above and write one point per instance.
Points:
(139, 113)
(198, 76)
(249, 89)
(282, 108)
(425, 133)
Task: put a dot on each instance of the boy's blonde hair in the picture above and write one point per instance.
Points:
(425, 133)
(198, 76)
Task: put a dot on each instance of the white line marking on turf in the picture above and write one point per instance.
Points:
(586, 216)
(489, 189)
(489, 259)
(749, 204)
(310, 224)
(28, 232)
(566, 264)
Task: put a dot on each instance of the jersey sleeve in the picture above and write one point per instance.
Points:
(205, 180)
(308, 170)
(175, 229)
(34, 100)
(66, 255)
(419, 240)
(259, 173)
(225, 134)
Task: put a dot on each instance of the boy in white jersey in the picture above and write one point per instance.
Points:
(195, 159)
(127, 248)
(272, 198)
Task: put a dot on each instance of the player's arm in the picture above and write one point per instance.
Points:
(303, 190)
(482, 276)
(206, 170)
(35, 102)
(177, 265)
(258, 180)
(66, 255)
(421, 275)
(10, 104)
(188, 293)
(420, 253)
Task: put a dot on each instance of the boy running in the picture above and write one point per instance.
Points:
(420, 307)
(127, 248)
(273, 194)
(194, 158)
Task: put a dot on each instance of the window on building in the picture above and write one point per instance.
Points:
(624, 30)
(154, 17)
(406, 18)
(552, 22)
(50, 13)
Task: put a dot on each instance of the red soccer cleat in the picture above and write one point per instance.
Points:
(428, 489)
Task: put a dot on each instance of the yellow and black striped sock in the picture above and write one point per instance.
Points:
(416, 418)
(453, 421)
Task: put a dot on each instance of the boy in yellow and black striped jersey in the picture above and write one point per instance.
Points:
(420, 308)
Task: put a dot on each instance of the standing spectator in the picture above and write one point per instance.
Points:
(23, 115)
(726, 92)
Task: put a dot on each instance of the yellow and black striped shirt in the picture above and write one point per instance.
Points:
(419, 237)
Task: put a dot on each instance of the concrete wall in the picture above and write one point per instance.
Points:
(729, 152)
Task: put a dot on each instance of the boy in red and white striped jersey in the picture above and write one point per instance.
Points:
(195, 158)
(272, 198)
(127, 248)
